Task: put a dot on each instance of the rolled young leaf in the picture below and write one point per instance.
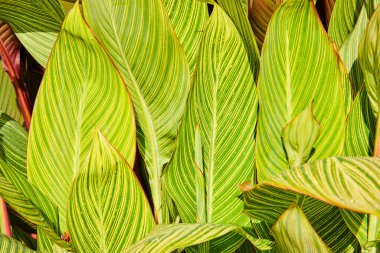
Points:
(291, 76)
(139, 37)
(168, 238)
(81, 89)
(117, 212)
(36, 24)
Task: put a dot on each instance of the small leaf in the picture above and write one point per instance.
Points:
(293, 233)
(107, 209)
(167, 238)
(299, 137)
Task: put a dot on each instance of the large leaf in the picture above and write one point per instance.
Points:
(260, 13)
(36, 24)
(81, 90)
(10, 245)
(293, 233)
(369, 58)
(291, 77)
(106, 190)
(236, 12)
(189, 19)
(139, 37)
(167, 238)
(224, 103)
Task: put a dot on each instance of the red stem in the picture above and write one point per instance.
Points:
(5, 221)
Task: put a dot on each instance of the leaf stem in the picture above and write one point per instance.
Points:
(6, 229)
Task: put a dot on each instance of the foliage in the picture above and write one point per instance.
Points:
(190, 126)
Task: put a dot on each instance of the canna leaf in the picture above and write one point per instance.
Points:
(358, 224)
(117, 213)
(328, 7)
(141, 41)
(189, 20)
(36, 24)
(369, 58)
(224, 103)
(10, 51)
(299, 137)
(167, 238)
(289, 80)
(293, 233)
(10, 245)
(72, 100)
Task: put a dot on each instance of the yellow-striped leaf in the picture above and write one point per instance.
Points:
(35, 22)
(81, 90)
(369, 58)
(189, 20)
(358, 224)
(10, 245)
(140, 39)
(224, 103)
(293, 75)
(117, 212)
(293, 233)
(167, 238)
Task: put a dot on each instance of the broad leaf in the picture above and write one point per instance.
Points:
(10, 245)
(291, 76)
(167, 238)
(369, 58)
(139, 37)
(35, 22)
(73, 99)
(237, 13)
(224, 103)
(260, 13)
(189, 19)
(106, 190)
(293, 233)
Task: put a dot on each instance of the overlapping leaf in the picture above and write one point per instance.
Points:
(290, 79)
(224, 103)
(81, 90)
(117, 212)
(167, 238)
(328, 6)
(36, 24)
(141, 41)
(189, 20)
(10, 245)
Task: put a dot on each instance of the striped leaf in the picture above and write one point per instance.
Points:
(36, 24)
(345, 182)
(358, 224)
(369, 58)
(236, 12)
(141, 41)
(10, 245)
(81, 90)
(167, 238)
(260, 13)
(293, 233)
(13, 144)
(188, 18)
(289, 80)
(10, 49)
(224, 103)
(106, 190)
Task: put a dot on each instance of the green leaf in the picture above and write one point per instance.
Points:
(369, 58)
(74, 99)
(200, 184)
(117, 213)
(360, 130)
(291, 76)
(167, 238)
(357, 223)
(140, 39)
(13, 144)
(8, 102)
(259, 13)
(341, 181)
(10, 245)
(35, 22)
(293, 233)
(299, 136)
(236, 12)
(189, 19)
(24, 237)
